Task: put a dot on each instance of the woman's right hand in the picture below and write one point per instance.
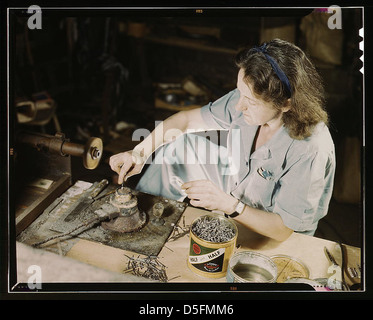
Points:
(126, 164)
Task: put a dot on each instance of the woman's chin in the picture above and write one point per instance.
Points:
(249, 121)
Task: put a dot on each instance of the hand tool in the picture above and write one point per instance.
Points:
(355, 278)
(330, 257)
(88, 200)
(333, 282)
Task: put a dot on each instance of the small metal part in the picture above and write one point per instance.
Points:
(179, 232)
(157, 211)
(213, 230)
(130, 217)
(124, 201)
(149, 267)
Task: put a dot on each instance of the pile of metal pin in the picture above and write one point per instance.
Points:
(179, 231)
(149, 267)
(213, 229)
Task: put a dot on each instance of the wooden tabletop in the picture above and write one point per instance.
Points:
(174, 254)
(309, 250)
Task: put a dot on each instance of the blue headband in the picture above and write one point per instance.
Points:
(276, 68)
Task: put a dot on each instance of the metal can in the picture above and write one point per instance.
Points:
(209, 257)
(249, 266)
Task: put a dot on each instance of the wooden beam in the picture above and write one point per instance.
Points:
(24, 219)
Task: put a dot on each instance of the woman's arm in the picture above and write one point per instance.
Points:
(203, 193)
(168, 130)
(266, 223)
(129, 163)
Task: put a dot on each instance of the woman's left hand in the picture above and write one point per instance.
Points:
(205, 194)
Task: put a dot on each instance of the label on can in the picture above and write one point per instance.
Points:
(206, 259)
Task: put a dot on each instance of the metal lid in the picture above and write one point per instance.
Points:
(289, 267)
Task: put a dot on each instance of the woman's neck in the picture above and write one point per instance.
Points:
(266, 132)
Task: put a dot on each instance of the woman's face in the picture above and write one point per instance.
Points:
(255, 111)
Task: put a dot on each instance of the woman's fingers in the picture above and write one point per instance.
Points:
(205, 194)
(202, 193)
(199, 189)
(203, 203)
(123, 164)
(196, 203)
(125, 169)
(196, 190)
(135, 170)
(196, 183)
(116, 162)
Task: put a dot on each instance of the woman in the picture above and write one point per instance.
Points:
(281, 178)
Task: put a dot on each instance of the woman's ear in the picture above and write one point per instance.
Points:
(286, 106)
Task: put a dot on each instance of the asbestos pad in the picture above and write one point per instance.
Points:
(149, 240)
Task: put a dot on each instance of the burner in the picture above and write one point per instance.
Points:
(130, 217)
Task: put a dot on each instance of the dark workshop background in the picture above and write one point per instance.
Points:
(109, 73)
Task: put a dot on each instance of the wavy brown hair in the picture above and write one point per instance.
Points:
(307, 99)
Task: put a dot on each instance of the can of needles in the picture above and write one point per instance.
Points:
(212, 243)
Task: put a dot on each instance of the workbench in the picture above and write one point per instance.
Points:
(174, 254)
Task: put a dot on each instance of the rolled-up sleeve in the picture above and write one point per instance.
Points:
(305, 191)
(219, 114)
